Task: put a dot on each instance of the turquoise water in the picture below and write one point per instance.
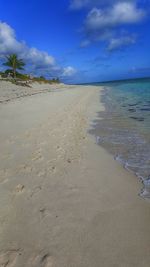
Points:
(125, 128)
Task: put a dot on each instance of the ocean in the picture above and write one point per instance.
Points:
(124, 127)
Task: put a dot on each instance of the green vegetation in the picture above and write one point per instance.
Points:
(14, 76)
(41, 79)
(15, 63)
(9, 74)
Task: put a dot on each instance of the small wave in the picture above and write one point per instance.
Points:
(124, 135)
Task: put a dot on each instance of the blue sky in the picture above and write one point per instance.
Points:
(78, 40)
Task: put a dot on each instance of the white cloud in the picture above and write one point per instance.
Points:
(9, 44)
(103, 24)
(123, 13)
(69, 71)
(39, 62)
(38, 57)
(80, 4)
(105, 19)
(120, 13)
(117, 43)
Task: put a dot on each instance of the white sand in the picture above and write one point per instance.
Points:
(64, 201)
(10, 91)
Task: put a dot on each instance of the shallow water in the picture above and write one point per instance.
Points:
(125, 127)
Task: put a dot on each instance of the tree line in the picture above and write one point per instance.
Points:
(15, 64)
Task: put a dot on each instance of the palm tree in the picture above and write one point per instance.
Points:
(15, 63)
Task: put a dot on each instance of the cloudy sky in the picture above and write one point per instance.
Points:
(78, 40)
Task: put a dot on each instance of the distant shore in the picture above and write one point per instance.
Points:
(64, 200)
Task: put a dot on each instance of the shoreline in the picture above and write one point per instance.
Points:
(113, 130)
(64, 200)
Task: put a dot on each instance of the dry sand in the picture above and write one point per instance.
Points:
(10, 91)
(64, 201)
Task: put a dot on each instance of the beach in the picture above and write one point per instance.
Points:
(64, 200)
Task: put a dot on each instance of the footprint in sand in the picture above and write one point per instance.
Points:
(52, 168)
(9, 258)
(19, 188)
(44, 260)
(44, 212)
(37, 156)
(36, 190)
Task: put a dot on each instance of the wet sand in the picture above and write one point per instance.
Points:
(64, 201)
